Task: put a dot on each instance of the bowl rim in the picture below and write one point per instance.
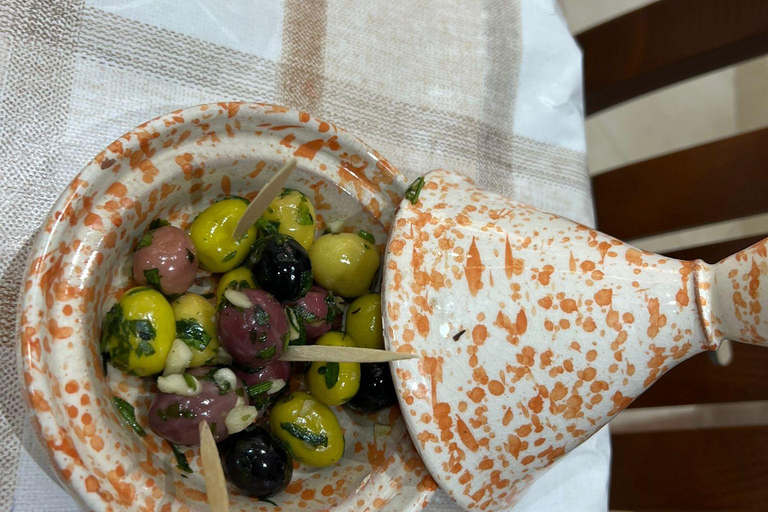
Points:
(33, 297)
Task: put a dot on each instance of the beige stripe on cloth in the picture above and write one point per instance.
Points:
(428, 85)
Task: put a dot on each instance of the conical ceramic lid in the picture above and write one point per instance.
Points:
(532, 330)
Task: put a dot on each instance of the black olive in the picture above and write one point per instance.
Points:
(376, 388)
(281, 266)
(256, 462)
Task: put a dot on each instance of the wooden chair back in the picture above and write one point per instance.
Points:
(723, 466)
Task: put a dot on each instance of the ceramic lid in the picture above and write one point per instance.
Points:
(459, 291)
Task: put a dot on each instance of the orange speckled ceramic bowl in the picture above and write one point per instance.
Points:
(173, 167)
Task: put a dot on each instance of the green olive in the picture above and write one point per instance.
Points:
(138, 332)
(293, 214)
(212, 232)
(196, 326)
(309, 428)
(333, 383)
(237, 279)
(364, 321)
(344, 263)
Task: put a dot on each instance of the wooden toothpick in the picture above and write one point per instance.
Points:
(262, 201)
(215, 483)
(341, 354)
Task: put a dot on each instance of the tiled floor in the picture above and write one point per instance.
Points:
(711, 107)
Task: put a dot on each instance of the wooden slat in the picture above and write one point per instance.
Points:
(666, 42)
(722, 180)
(723, 469)
(700, 381)
(715, 252)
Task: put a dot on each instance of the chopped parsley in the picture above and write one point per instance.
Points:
(267, 353)
(117, 333)
(303, 216)
(229, 256)
(192, 334)
(331, 374)
(145, 241)
(152, 275)
(261, 315)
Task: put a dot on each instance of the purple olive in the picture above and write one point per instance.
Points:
(260, 397)
(165, 259)
(273, 371)
(176, 418)
(256, 335)
(317, 311)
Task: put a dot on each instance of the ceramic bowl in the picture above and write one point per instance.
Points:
(172, 168)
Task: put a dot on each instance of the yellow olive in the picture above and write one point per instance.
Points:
(293, 214)
(364, 321)
(212, 233)
(237, 279)
(333, 383)
(138, 332)
(309, 428)
(344, 263)
(196, 326)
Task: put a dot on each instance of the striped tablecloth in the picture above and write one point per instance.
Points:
(491, 88)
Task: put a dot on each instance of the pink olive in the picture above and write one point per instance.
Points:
(273, 371)
(165, 258)
(257, 335)
(317, 311)
(176, 418)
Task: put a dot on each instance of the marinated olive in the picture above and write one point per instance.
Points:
(138, 332)
(364, 321)
(253, 327)
(333, 383)
(256, 462)
(281, 266)
(264, 385)
(309, 428)
(176, 417)
(236, 279)
(317, 312)
(376, 388)
(345, 263)
(212, 232)
(165, 259)
(196, 326)
(291, 213)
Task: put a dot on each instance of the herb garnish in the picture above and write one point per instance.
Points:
(412, 194)
(366, 236)
(192, 333)
(303, 215)
(152, 275)
(305, 434)
(129, 415)
(268, 227)
(145, 241)
(181, 458)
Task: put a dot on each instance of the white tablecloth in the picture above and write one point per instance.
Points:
(492, 89)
